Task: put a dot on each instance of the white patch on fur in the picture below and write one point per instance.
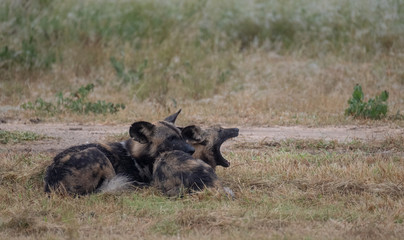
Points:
(116, 184)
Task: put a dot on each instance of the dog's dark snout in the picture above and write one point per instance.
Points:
(232, 132)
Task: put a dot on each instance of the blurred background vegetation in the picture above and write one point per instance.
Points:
(271, 54)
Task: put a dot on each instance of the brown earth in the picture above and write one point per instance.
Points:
(64, 135)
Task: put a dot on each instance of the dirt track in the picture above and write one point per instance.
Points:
(65, 135)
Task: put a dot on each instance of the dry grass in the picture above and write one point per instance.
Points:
(275, 64)
(282, 191)
(267, 90)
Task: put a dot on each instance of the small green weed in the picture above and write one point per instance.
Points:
(17, 136)
(76, 103)
(374, 109)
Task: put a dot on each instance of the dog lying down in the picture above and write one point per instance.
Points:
(116, 166)
(176, 173)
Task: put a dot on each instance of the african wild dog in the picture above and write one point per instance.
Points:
(177, 172)
(93, 167)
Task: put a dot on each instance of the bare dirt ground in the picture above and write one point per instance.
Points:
(64, 135)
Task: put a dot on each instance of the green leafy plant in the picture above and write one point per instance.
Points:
(374, 108)
(77, 102)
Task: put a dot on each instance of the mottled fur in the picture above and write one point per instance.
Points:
(88, 168)
(176, 173)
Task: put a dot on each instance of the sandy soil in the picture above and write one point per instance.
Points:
(65, 135)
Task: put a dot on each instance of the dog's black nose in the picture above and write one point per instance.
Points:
(189, 149)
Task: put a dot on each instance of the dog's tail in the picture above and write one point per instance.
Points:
(116, 184)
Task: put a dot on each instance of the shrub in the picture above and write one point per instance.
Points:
(374, 109)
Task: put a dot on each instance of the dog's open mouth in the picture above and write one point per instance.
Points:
(227, 134)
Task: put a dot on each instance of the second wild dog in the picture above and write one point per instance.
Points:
(176, 173)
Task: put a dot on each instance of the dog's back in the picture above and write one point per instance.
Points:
(79, 170)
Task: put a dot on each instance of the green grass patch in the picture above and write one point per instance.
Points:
(18, 136)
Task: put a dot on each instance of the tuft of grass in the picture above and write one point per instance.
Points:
(18, 136)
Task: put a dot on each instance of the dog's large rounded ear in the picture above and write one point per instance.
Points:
(141, 131)
(173, 117)
(193, 133)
